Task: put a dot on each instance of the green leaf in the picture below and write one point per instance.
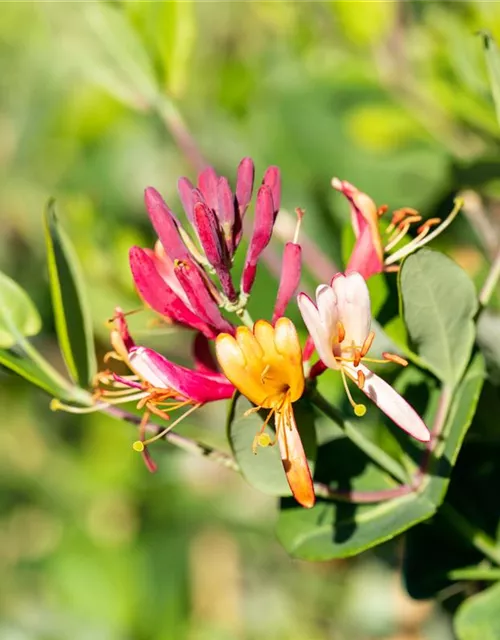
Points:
(439, 304)
(337, 529)
(73, 321)
(488, 330)
(478, 617)
(264, 470)
(18, 315)
(34, 373)
(493, 63)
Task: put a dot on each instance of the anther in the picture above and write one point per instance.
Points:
(359, 410)
(431, 222)
(392, 357)
(340, 332)
(381, 210)
(357, 357)
(361, 379)
(367, 344)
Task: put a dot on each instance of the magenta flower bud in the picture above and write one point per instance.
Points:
(185, 188)
(262, 231)
(214, 246)
(290, 278)
(244, 189)
(165, 224)
(272, 178)
(157, 294)
(225, 211)
(207, 184)
(196, 287)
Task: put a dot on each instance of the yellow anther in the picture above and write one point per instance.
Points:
(55, 404)
(264, 440)
(360, 410)
(138, 446)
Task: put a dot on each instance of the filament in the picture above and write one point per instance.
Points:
(359, 409)
(139, 445)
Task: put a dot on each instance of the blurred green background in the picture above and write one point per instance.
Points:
(392, 96)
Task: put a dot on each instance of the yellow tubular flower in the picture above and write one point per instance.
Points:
(265, 365)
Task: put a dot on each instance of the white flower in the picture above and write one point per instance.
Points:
(339, 324)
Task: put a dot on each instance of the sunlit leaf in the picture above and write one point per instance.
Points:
(264, 470)
(478, 618)
(439, 304)
(72, 316)
(18, 315)
(335, 529)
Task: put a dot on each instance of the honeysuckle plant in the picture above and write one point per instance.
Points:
(295, 379)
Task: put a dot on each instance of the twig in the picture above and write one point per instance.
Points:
(187, 444)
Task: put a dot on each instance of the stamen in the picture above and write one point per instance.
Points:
(300, 214)
(359, 409)
(431, 222)
(420, 241)
(57, 405)
(340, 332)
(124, 314)
(381, 210)
(260, 433)
(139, 445)
(264, 440)
(357, 357)
(398, 235)
(367, 343)
(393, 357)
(361, 379)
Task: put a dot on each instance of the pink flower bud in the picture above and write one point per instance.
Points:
(272, 178)
(185, 188)
(290, 278)
(160, 296)
(244, 189)
(262, 231)
(166, 225)
(207, 184)
(225, 212)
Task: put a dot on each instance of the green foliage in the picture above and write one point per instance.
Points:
(439, 304)
(73, 320)
(477, 618)
(18, 315)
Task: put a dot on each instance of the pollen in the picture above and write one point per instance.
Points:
(138, 446)
(264, 440)
(340, 332)
(360, 410)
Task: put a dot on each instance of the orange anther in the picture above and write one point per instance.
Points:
(381, 210)
(356, 357)
(361, 379)
(367, 343)
(340, 332)
(431, 222)
(392, 357)
(411, 219)
(392, 268)
(180, 264)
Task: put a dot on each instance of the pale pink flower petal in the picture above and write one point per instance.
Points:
(353, 304)
(391, 403)
(321, 338)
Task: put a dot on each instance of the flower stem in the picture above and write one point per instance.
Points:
(491, 281)
(474, 535)
(361, 497)
(187, 444)
(375, 453)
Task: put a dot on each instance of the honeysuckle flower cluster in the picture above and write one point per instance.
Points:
(188, 279)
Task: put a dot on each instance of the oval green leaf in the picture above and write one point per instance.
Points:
(72, 316)
(264, 470)
(439, 304)
(478, 618)
(19, 317)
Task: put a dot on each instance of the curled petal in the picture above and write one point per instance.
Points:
(290, 278)
(391, 403)
(163, 374)
(294, 458)
(319, 335)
